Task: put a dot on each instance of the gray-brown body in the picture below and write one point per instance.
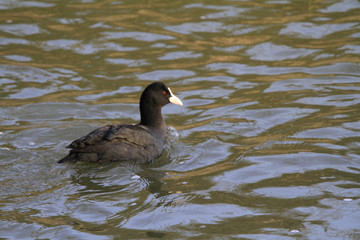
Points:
(116, 143)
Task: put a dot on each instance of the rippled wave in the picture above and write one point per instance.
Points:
(268, 138)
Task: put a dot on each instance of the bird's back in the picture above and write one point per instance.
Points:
(117, 142)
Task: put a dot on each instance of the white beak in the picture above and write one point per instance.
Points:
(174, 99)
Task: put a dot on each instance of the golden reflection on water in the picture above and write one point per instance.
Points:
(268, 133)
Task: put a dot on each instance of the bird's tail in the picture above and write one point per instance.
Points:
(71, 157)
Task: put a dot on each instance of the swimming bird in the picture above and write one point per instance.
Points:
(143, 142)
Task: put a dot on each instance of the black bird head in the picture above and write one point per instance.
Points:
(158, 94)
(154, 97)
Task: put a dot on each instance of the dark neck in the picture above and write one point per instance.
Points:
(152, 118)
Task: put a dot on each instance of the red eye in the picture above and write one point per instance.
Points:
(163, 93)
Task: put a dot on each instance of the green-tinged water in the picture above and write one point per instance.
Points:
(269, 134)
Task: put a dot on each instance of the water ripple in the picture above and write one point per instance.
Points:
(21, 29)
(272, 52)
(267, 139)
(316, 31)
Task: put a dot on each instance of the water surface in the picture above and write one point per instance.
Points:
(268, 143)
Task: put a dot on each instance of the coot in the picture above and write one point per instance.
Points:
(143, 142)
